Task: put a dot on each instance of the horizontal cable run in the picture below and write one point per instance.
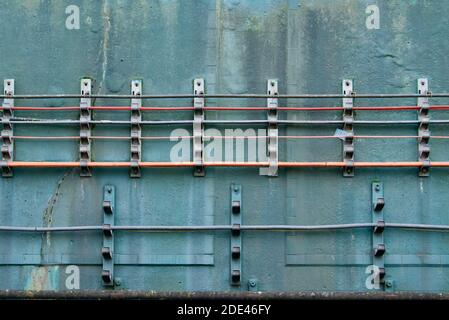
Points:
(223, 108)
(158, 164)
(17, 120)
(286, 228)
(226, 96)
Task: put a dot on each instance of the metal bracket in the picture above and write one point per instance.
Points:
(273, 130)
(377, 206)
(85, 130)
(348, 121)
(423, 129)
(253, 285)
(136, 131)
(236, 238)
(7, 129)
(198, 128)
(107, 251)
(389, 285)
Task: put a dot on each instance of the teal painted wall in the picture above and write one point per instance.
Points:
(309, 46)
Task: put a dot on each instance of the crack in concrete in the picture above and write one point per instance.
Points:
(47, 215)
(105, 43)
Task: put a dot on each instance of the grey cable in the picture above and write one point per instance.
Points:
(288, 228)
(223, 122)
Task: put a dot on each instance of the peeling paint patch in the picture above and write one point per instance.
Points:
(43, 278)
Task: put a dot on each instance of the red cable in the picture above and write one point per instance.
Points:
(127, 108)
(166, 108)
(439, 107)
(45, 138)
(389, 108)
(236, 108)
(45, 108)
(215, 137)
(124, 108)
(309, 108)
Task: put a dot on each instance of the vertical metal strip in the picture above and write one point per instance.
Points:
(136, 131)
(348, 119)
(107, 250)
(198, 128)
(7, 129)
(423, 129)
(236, 238)
(273, 131)
(85, 132)
(378, 203)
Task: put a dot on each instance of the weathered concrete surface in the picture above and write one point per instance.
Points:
(310, 46)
